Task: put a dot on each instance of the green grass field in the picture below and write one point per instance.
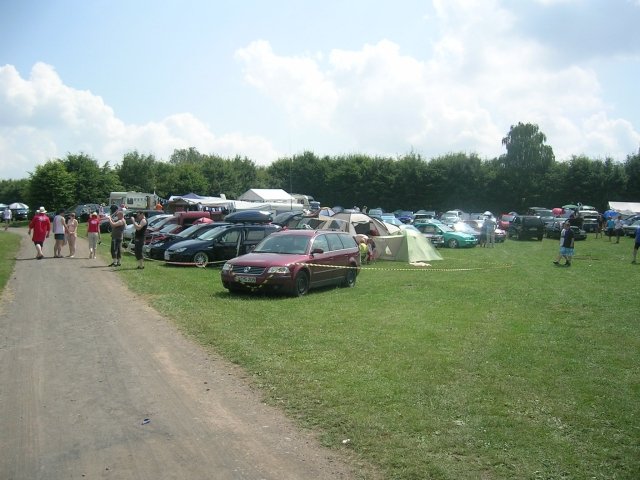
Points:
(518, 369)
(493, 363)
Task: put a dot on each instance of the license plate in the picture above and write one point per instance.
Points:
(533, 229)
(245, 279)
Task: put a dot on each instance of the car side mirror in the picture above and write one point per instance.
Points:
(316, 250)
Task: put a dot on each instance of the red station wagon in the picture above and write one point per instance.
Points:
(294, 261)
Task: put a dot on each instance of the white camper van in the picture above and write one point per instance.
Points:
(134, 200)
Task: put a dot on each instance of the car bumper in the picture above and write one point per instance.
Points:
(263, 281)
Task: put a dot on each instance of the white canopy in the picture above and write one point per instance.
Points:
(266, 195)
(625, 207)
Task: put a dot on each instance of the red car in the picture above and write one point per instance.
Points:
(294, 261)
(504, 222)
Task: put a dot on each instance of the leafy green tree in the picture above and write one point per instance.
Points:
(184, 155)
(52, 186)
(632, 170)
(137, 172)
(88, 178)
(456, 180)
(526, 162)
(14, 191)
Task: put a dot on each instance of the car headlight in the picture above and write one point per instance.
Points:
(279, 270)
(180, 250)
(227, 267)
(159, 244)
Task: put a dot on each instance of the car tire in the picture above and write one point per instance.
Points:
(301, 284)
(350, 277)
(201, 259)
(452, 243)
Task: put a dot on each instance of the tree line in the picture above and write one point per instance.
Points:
(526, 175)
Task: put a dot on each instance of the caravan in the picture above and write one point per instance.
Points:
(133, 200)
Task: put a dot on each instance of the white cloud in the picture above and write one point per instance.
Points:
(41, 118)
(481, 78)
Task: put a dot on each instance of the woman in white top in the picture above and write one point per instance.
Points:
(59, 229)
(72, 234)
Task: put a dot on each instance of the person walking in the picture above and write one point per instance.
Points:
(566, 245)
(93, 234)
(59, 230)
(6, 218)
(611, 225)
(140, 224)
(40, 225)
(117, 234)
(618, 228)
(72, 234)
(636, 245)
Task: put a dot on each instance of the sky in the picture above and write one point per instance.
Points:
(272, 79)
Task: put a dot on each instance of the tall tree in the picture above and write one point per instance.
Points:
(526, 162)
(88, 178)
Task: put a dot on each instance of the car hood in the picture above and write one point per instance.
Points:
(270, 259)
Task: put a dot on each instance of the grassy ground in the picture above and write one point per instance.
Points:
(492, 364)
(9, 244)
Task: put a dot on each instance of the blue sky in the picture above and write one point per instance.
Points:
(268, 79)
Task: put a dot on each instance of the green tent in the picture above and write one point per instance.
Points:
(407, 245)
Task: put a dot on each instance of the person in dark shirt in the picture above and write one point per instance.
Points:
(566, 245)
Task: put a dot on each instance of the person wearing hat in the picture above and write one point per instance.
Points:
(41, 227)
(93, 233)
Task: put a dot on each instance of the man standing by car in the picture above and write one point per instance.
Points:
(140, 224)
(489, 228)
(117, 233)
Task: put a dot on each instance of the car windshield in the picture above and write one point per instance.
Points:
(445, 228)
(507, 218)
(291, 244)
(169, 228)
(187, 232)
(209, 234)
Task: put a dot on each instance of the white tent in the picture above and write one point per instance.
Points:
(625, 207)
(267, 195)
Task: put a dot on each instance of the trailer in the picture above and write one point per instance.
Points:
(133, 200)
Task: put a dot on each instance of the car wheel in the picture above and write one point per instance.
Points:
(350, 277)
(301, 284)
(453, 243)
(201, 259)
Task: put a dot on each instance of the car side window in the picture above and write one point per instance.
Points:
(321, 242)
(334, 242)
(231, 236)
(348, 241)
(255, 235)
